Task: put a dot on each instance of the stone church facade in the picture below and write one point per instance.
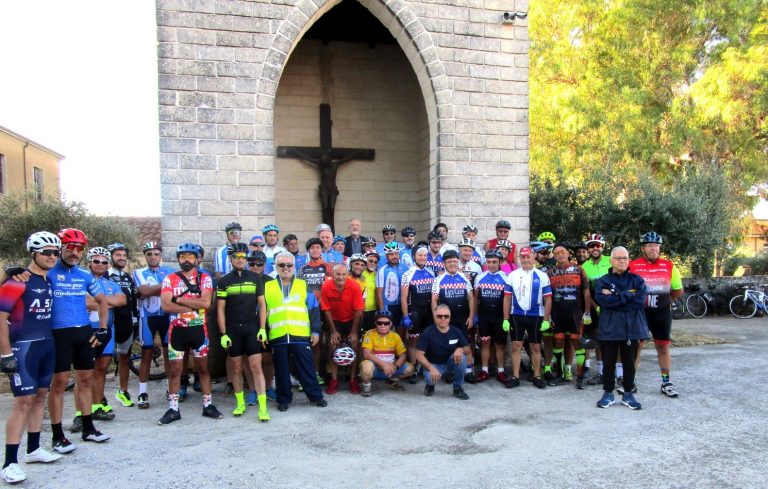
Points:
(441, 96)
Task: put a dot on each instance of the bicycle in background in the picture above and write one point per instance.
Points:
(746, 304)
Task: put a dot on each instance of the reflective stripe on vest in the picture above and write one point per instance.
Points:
(287, 315)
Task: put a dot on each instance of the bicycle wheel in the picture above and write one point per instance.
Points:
(156, 366)
(696, 306)
(678, 308)
(742, 307)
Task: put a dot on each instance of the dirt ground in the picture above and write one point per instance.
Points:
(555, 437)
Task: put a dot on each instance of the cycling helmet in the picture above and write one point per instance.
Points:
(117, 246)
(233, 248)
(338, 238)
(188, 248)
(39, 240)
(257, 256)
(493, 254)
(408, 231)
(651, 237)
(538, 246)
(73, 236)
(391, 247)
(270, 227)
(503, 224)
(313, 241)
(594, 238)
(288, 238)
(503, 243)
(581, 245)
(323, 227)
(343, 356)
(546, 236)
(373, 253)
(466, 242)
(435, 236)
(98, 251)
(450, 254)
(357, 257)
(232, 225)
(368, 240)
(151, 245)
(469, 228)
(383, 313)
(388, 228)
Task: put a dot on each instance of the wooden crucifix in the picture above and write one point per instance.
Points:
(327, 159)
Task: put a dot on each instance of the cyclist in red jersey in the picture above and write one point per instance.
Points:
(502, 234)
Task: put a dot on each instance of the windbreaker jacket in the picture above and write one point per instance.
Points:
(621, 313)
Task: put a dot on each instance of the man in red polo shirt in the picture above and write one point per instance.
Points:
(341, 301)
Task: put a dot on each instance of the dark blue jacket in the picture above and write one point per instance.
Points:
(621, 313)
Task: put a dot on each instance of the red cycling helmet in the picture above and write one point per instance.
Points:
(73, 236)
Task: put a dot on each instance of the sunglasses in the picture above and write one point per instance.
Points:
(259, 245)
(100, 262)
(285, 265)
(389, 232)
(409, 235)
(152, 253)
(383, 323)
(443, 316)
(256, 263)
(74, 247)
(544, 252)
(594, 245)
(234, 232)
(239, 256)
(50, 252)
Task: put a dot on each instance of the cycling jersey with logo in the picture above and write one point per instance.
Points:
(387, 348)
(127, 312)
(435, 263)
(419, 282)
(70, 285)
(315, 273)
(389, 278)
(528, 289)
(176, 286)
(221, 263)
(406, 256)
(240, 291)
(596, 270)
(568, 284)
(107, 287)
(454, 291)
(471, 270)
(661, 277)
(29, 308)
(490, 291)
(150, 306)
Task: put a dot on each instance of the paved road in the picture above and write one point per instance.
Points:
(712, 436)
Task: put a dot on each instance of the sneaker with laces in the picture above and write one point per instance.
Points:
(210, 411)
(319, 402)
(13, 474)
(429, 390)
(105, 405)
(459, 393)
(169, 417)
(512, 382)
(629, 400)
(124, 398)
(539, 383)
(77, 425)
(101, 415)
(549, 376)
(502, 377)
(333, 387)
(354, 387)
(95, 436)
(41, 455)
(482, 376)
(596, 379)
(366, 390)
(606, 401)
(668, 389)
(272, 394)
(263, 414)
(556, 381)
(64, 446)
(143, 401)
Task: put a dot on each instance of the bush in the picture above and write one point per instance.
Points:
(24, 215)
(758, 264)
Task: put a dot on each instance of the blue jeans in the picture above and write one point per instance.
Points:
(458, 370)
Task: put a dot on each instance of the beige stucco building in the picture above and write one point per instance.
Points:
(27, 166)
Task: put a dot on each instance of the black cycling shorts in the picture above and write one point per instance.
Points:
(566, 321)
(659, 323)
(421, 317)
(369, 321)
(344, 329)
(244, 340)
(523, 326)
(73, 348)
(192, 337)
(489, 325)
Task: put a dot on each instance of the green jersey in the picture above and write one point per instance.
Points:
(596, 270)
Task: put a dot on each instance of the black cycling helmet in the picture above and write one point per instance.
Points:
(435, 236)
(313, 241)
(503, 224)
(233, 248)
(408, 231)
(383, 314)
(581, 245)
(288, 238)
(450, 254)
(389, 228)
(494, 253)
(232, 225)
(469, 228)
(257, 256)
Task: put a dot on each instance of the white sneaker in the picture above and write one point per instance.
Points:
(41, 455)
(13, 474)
(95, 436)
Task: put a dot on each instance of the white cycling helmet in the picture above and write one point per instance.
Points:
(39, 240)
(98, 251)
(343, 356)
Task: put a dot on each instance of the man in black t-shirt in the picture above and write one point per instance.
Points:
(442, 349)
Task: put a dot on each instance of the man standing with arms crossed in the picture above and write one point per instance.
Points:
(221, 264)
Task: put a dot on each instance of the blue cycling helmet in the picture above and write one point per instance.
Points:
(270, 227)
(538, 246)
(651, 237)
(494, 253)
(391, 247)
(188, 248)
(338, 238)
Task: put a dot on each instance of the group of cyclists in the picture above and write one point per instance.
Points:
(417, 309)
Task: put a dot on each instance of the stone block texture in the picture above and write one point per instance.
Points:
(446, 111)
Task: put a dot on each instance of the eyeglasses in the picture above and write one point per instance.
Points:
(594, 245)
(285, 265)
(383, 323)
(256, 263)
(50, 252)
(152, 253)
(100, 262)
(443, 316)
(74, 247)
(234, 232)
(239, 256)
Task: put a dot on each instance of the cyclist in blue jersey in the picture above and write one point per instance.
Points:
(388, 281)
(27, 353)
(125, 317)
(291, 244)
(73, 336)
(489, 304)
(330, 255)
(152, 319)
(388, 233)
(470, 232)
(416, 300)
(221, 264)
(528, 302)
(271, 234)
(409, 244)
(454, 289)
(434, 255)
(467, 264)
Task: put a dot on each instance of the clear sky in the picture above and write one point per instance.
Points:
(81, 78)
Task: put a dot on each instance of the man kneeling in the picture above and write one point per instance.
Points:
(384, 355)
